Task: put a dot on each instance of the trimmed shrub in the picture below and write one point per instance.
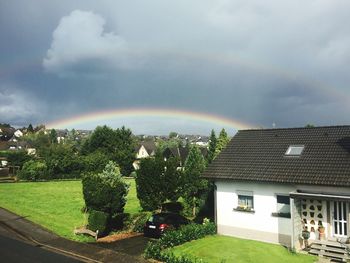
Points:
(33, 171)
(98, 221)
(173, 238)
(187, 233)
(105, 191)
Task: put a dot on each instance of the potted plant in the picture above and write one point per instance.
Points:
(321, 229)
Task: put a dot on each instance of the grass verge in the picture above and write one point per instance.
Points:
(230, 249)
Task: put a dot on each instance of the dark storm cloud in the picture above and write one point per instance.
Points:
(261, 62)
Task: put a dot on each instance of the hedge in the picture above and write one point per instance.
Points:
(98, 220)
(173, 238)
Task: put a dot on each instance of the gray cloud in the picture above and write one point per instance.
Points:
(80, 40)
(261, 62)
(18, 106)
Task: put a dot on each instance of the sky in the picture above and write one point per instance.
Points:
(263, 63)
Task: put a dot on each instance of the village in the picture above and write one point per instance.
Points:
(283, 185)
(175, 131)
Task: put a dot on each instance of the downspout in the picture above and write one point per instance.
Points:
(215, 206)
(293, 227)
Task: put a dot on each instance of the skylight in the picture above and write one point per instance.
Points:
(295, 150)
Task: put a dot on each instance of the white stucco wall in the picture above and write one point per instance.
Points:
(260, 225)
(265, 203)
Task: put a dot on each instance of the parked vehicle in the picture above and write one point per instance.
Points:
(158, 223)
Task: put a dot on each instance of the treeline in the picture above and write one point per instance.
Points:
(72, 158)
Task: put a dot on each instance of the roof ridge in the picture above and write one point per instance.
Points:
(296, 128)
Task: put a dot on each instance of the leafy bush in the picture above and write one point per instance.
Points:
(33, 171)
(139, 220)
(16, 158)
(62, 161)
(98, 221)
(105, 191)
(94, 162)
(173, 238)
(174, 207)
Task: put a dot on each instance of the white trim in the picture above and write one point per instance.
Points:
(319, 195)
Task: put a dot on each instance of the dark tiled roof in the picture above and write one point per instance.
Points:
(150, 146)
(259, 155)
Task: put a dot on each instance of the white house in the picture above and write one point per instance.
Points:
(143, 150)
(271, 184)
(18, 133)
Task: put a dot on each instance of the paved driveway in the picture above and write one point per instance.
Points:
(133, 246)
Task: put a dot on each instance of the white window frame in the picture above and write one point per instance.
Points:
(245, 194)
(282, 214)
(288, 152)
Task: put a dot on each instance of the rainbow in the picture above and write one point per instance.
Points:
(122, 114)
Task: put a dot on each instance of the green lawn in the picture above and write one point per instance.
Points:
(54, 205)
(229, 249)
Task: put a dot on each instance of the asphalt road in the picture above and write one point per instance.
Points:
(20, 241)
(14, 249)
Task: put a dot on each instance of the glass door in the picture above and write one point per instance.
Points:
(340, 214)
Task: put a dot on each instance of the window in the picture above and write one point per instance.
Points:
(295, 150)
(283, 206)
(245, 201)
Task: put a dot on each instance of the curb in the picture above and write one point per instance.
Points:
(62, 251)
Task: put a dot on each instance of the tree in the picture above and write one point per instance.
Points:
(149, 183)
(173, 135)
(194, 187)
(53, 136)
(105, 196)
(118, 145)
(39, 140)
(171, 179)
(62, 161)
(94, 162)
(157, 181)
(102, 139)
(17, 158)
(105, 191)
(212, 147)
(171, 143)
(309, 125)
(222, 142)
(30, 128)
(125, 154)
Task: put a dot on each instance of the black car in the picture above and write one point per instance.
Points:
(158, 223)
